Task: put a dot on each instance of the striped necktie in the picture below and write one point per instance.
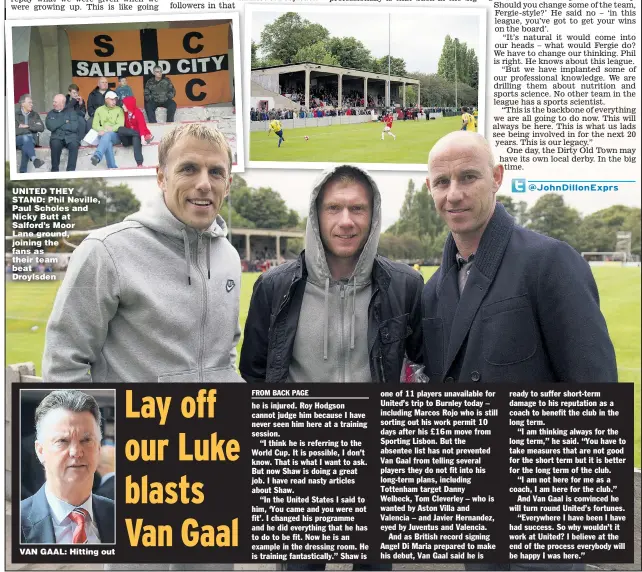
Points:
(80, 516)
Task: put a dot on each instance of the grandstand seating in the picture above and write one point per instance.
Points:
(223, 118)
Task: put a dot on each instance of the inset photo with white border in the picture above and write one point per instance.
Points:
(67, 466)
(376, 87)
(94, 97)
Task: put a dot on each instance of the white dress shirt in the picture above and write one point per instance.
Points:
(63, 526)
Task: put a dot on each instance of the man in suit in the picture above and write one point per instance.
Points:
(64, 511)
(531, 299)
(506, 304)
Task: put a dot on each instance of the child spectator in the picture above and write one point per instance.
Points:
(135, 129)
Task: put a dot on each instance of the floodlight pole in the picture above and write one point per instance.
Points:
(454, 44)
(388, 94)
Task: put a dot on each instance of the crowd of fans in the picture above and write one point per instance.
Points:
(107, 118)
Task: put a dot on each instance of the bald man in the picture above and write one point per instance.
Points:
(66, 132)
(507, 304)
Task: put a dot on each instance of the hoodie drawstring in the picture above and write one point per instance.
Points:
(354, 297)
(207, 255)
(326, 319)
(187, 256)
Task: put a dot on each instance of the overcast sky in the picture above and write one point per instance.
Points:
(295, 186)
(417, 37)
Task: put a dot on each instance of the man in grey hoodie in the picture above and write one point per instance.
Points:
(369, 306)
(156, 297)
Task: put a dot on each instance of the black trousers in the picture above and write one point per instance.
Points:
(131, 138)
(151, 106)
(57, 145)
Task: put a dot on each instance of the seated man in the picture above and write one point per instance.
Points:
(63, 123)
(107, 120)
(77, 104)
(28, 126)
(159, 92)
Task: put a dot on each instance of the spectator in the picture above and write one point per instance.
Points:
(65, 127)
(159, 92)
(123, 90)
(96, 98)
(74, 100)
(28, 126)
(107, 120)
(135, 129)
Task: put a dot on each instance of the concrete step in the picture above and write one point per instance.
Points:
(225, 125)
(124, 159)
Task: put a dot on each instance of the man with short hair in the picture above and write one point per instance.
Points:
(340, 312)
(64, 125)
(156, 297)
(159, 92)
(96, 97)
(506, 304)
(28, 127)
(64, 510)
(467, 120)
(76, 103)
(107, 120)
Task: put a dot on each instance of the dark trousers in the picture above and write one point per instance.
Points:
(57, 145)
(130, 137)
(151, 106)
(27, 145)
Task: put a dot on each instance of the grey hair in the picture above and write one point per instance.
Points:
(23, 97)
(70, 400)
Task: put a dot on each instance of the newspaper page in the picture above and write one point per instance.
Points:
(212, 191)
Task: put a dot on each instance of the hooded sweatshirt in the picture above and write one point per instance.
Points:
(148, 299)
(134, 118)
(331, 342)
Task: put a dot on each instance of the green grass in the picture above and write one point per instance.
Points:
(357, 143)
(29, 305)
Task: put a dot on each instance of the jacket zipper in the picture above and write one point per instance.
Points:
(203, 313)
(383, 373)
(379, 356)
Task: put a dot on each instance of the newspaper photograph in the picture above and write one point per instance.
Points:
(315, 194)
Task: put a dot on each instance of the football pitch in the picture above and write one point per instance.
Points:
(356, 143)
(28, 305)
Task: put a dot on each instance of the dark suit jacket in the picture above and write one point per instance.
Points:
(107, 488)
(36, 526)
(529, 313)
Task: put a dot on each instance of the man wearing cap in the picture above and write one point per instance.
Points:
(107, 119)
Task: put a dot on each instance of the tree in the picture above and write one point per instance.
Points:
(519, 209)
(283, 38)
(350, 53)
(264, 207)
(254, 56)
(411, 95)
(316, 53)
(446, 64)
(551, 217)
(598, 231)
(397, 66)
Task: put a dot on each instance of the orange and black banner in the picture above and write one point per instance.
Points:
(195, 59)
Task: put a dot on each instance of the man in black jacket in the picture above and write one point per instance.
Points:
(339, 312)
(63, 122)
(96, 98)
(77, 104)
(506, 304)
(28, 129)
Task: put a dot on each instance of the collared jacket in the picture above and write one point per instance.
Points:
(79, 108)
(95, 100)
(529, 312)
(159, 91)
(393, 321)
(305, 326)
(34, 122)
(63, 125)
